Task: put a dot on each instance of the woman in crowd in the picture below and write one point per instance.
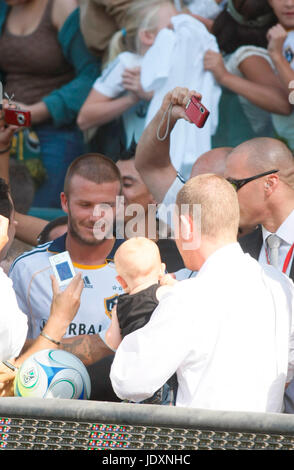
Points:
(281, 50)
(45, 64)
(118, 92)
(245, 67)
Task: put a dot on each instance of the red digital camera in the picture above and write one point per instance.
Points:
(196, 112)
(17, 117)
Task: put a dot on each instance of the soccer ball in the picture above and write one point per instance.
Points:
(52, 373)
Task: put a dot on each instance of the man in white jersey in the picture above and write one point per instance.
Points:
(91, 180)
(228, 333)
(13, 322)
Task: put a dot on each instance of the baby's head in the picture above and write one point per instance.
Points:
(137, 262)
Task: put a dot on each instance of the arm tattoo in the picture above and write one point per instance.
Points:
(89, 348)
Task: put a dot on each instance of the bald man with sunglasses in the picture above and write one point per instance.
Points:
(262, 172)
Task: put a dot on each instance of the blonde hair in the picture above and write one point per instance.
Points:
(137, 259)
(142, 14)
(220, 211)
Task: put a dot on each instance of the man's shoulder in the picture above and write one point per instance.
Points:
(30, 258)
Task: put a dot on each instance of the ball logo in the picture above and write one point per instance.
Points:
(29, 376)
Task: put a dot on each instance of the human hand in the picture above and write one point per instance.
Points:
(39, 111)
(4, 223)
(113, 336)
(168, 280)
(214, 63)
(6, 132)
(276, 37)
(65, 304)
(7, 377)
(132, 82)
(207, 22)
(179, 98)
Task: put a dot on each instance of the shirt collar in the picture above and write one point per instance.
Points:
(59, 245)
(222, 255)
(285, 231)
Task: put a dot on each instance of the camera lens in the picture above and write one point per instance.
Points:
(202, 110)
(21, 119)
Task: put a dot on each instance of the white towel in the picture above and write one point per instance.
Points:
(176, 59)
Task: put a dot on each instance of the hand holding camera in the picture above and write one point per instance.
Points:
(15, 116)
(181, 103)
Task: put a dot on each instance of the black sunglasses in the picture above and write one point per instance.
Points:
(237, 184)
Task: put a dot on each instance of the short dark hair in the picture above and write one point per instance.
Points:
(6, 206)
(94, 167)
(44, 235)
(231, 35)
(128, 153)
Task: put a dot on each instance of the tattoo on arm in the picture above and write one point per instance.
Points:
(88, 348)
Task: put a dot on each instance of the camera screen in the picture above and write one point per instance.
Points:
(64, 271)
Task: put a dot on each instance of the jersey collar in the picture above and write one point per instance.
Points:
(59, 245)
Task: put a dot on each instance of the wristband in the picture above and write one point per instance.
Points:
(6, 150)
(49, 338)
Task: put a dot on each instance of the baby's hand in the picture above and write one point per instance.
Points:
(113, 336)
(168, 280)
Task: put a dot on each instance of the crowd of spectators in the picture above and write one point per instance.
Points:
(178, 307)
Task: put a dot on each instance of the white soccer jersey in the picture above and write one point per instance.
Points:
(31, 272)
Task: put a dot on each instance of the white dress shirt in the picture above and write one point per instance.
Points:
(286, 234)
(13, 323)
(225, 332)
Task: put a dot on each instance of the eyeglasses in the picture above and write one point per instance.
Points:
(237, 184)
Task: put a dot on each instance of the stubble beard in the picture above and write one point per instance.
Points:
(74, 232)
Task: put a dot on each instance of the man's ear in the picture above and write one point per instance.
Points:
(146, 37)
(186, 227)
(162, 269)
(271, 183)
(64, 202)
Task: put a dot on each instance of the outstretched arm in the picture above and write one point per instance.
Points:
(64, 307)
(28, 227)
(152, 158)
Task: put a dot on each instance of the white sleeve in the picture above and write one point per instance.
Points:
(165, 209)
(148, 357)
(110, 82)
(13, 322)
(236, 59)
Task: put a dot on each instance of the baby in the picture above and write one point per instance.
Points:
(140, 270)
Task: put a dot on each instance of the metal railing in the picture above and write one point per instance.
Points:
(48, 424)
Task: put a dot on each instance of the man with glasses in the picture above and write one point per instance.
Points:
(262, 172)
